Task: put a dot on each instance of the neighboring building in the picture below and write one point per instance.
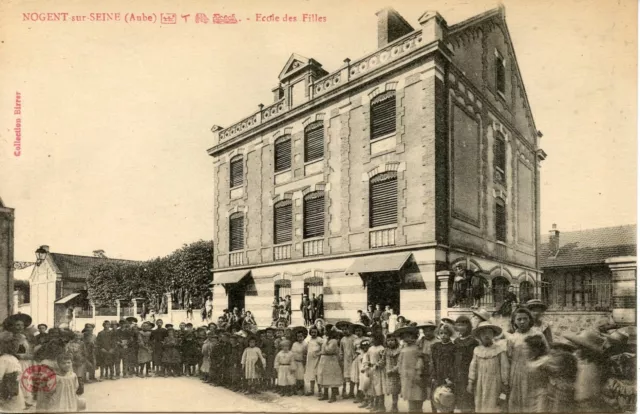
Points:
(6, 260)
(590, 274)
(58, 286)
(21, 288)
(373, 183)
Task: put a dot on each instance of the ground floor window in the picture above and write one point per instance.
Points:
(577, 290)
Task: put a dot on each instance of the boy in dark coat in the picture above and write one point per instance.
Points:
(463, 354)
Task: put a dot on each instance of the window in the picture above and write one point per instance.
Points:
(500, 157)
(500, 73)
(236, 232)
(236, 171)
(313, 215)
(283, 222)
(383, 114)
(501, 221)
(526, 291)
(383, 199)
(314, 141)
(283, 153)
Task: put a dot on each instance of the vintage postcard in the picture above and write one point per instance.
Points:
(318, 206)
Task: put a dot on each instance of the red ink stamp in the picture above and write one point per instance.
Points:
(38, 378)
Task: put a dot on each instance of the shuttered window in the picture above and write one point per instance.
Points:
(283, 153)
(236, 232)
(314, 141)
(283, 222)
(236, 171)
(383, 114)
(501, 222)
(383, 199)
(314, 214)
(500, 73)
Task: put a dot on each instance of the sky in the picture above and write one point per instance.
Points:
(116, 116)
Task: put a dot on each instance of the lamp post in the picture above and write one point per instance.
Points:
(41, 254)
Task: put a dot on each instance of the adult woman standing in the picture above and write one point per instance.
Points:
(329, 370)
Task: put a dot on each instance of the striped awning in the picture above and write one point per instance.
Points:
(66, 299)
(382, 263)
(229, 277)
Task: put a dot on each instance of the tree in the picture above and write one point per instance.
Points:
(191, 275)
(106, 283)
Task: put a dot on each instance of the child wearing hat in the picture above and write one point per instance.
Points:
(105, 345)
(364, 394)
(252, 360)
(489, 370)
(392, 376)
(375, 367)
(354, 368)
(537, 309)
(89, 340)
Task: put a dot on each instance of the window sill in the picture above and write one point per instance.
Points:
(385, 227)
(313, 161)
(501, 243)
(276, 173)
(502, 96)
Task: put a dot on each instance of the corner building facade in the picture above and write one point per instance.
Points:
(373, 183)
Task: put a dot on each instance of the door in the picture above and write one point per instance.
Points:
(383, 288)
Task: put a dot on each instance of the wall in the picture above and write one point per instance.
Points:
(6, 260)
(43, 283)
(350, 160)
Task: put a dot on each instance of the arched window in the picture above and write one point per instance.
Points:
(282, 222)
(500, 288)
(283, 153)
(383, 199)
(314, 141)
(236, 232)
(236, 171)
(526, 291)
(313, 225)
(383, 114)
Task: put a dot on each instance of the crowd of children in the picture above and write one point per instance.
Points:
(467, 365)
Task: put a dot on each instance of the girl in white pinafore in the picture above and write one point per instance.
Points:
(285, 366)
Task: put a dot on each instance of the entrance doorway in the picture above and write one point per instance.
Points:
(236, 295)
(383, 288)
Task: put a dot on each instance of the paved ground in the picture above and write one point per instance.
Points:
(190, 394)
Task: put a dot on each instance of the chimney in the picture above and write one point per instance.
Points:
(45, 248)
(434, 26)
(391, 26)
(99, 253)
(554, 241)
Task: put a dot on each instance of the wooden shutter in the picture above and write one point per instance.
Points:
(236, 232)
(283, 222)
(314, 215)
(383, 199)
(501, 222)
(236, 171)
(283, 153)
(314, 142)
(500, 152)
(383, 114)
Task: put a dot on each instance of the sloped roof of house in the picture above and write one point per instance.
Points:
(589, 247)
(78, 267)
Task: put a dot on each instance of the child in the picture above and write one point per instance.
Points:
(329, 370)
(64, 396)
(347, 350)
(89, 340)
(489, 370)
(537, 309)
(410, 366)
(170, 354)
(443, 360)
(363, 375)
(207, 347)
(284, 364)
(354, 374)
(11, 394)
(215, 360)
(190, 353)
(463, 354)
(561, 366)
(299, 351)
(313, 356)
(269, 351)
(235, 363)
(591, 368)
(79, 354)
(538, 379)
(252, 363)
(392, 376)
(376, 372)
(144, 350)
(105, 346)
(520, 393)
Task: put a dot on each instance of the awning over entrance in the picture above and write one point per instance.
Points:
(229, 277)
(382, 263)
(66, 299)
